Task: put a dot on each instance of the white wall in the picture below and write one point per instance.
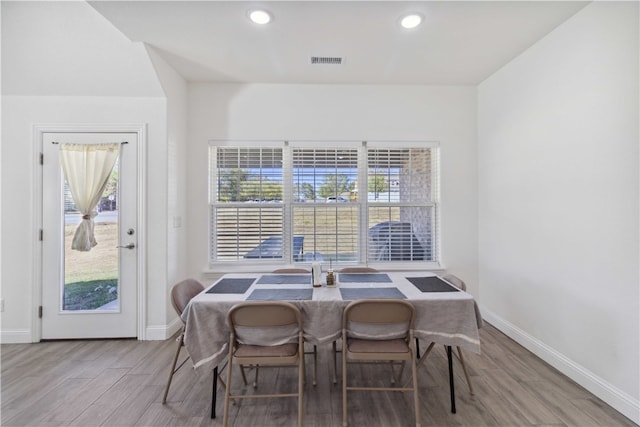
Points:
(558, 200)
(175, 88)
(93, 74)
(67, 48)
(343, 112)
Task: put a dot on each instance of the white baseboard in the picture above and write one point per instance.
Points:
(162, 332)
(614, 397)
(15, 337)
(153, 333)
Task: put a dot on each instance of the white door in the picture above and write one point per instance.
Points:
(90, 294)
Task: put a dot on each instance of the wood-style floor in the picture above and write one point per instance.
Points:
(121, 382)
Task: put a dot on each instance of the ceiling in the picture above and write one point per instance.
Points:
(459, 42)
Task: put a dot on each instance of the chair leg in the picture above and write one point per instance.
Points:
(315, 365)
(222, 383)
(466, 374)
(224, 387)
(422, 358)
(344, 385)
(301, 376)
(335, 363)
(401, 370)
(244, 377)
(227, 393)
(255, 380)
(180, 340)
(416, 397)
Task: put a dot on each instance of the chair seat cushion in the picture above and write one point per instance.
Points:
(376, 346)
(284, 350)
(377, 331)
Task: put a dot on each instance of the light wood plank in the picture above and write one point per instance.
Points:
(120, 382)
(74, 404)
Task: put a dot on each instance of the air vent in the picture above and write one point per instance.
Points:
(335, 60)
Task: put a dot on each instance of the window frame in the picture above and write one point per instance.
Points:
(362, 203)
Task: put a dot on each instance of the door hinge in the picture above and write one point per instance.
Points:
(40, 312)
(42, 158)
(41, 235)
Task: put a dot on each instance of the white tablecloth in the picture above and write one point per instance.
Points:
(449, 318)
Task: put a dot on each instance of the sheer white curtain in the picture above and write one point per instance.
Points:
(87, 168)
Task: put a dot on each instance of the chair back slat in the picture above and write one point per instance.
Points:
(358, 270)
(380, 311)
(291, 270)
(455, 281)
(183, 292)
(263, 314)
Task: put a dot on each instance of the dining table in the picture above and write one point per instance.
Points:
(444, 314)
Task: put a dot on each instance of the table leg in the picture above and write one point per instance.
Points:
(451, 385)
(214, 392)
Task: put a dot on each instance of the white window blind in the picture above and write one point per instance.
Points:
(247, 211)
(351, 203)
(402, 204)
(326, 212)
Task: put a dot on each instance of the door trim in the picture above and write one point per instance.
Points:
(36, 292)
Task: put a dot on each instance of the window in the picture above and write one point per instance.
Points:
(401, 204)
(348, 203)
(326, 212)
(247, 213)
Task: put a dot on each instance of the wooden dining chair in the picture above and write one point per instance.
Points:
(378, 330)
(335, 343)
(181, 294)
(265, 333)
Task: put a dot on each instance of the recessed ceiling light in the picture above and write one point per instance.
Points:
(260, 16)
(411, 21)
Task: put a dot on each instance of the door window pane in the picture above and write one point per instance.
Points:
(91, 278)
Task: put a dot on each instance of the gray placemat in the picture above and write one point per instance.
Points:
(280, 295)
(431, 284)
(231, 286)
(362, 293)
(285, 279)
(364, 278)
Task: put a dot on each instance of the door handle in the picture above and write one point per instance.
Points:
(129, 246)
